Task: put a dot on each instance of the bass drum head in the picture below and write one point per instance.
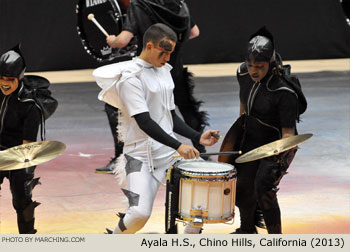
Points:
(109, 14)
(204, 168)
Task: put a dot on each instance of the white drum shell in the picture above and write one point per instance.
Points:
(207, 190)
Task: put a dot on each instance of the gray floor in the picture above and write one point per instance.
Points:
(323, 158)
(314, 197)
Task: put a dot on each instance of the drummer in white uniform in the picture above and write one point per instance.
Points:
(142, 89)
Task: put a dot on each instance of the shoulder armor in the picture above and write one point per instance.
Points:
(242, 69)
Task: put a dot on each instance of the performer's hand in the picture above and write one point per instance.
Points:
(207, 139)
(110, 40)
(188, 151)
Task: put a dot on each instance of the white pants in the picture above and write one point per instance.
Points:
(141, 190)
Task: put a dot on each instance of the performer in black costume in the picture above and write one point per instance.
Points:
(21, 114)
(270, 105)
(175, 14)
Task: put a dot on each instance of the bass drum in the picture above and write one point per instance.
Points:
(111, 15)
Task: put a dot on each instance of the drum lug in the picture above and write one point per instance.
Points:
(199, 213)
(197, 222)
(168, 174)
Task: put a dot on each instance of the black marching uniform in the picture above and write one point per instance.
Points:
(22, 111)
(270, 105)
(20, 121)
(175, 14)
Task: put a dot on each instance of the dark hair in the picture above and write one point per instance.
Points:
(157, 32)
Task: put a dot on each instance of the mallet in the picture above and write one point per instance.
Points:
(91, 17)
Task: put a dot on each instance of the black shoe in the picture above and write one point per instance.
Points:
(108, 231)
(241, 231)
(108, 169)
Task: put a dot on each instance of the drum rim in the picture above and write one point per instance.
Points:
(193, 173)
(196, 177)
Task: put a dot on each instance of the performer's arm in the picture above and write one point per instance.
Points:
(194, 32)
(241, 108)
(120, 41)
(27, 141)
(287, 132)
(151, 128)
(288, 113)
(31, 125)
(136, 22)
(181, 128)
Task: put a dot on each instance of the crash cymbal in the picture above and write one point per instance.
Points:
(273, 148)
(30, 154)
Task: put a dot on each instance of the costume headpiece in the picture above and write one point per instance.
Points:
(12, 63)
(261, 46)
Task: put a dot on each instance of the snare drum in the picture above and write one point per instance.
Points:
(110, 14)
(204, 192)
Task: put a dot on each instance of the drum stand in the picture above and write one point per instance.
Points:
(170, 217)
(172, 201)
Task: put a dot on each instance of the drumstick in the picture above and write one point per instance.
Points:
(91, 17)
(213, 153)
(215, 135)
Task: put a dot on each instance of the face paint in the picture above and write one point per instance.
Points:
(8, 84)
(162, 52)
(166, 45)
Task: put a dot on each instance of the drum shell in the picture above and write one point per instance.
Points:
(207, 195)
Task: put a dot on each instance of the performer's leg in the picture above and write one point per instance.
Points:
(112, 115)
(141, 191)
(22, 183)
(245, 196)
(267, 179)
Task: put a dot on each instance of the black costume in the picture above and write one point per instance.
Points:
(270, 105)
(21, 113)
(175, 14)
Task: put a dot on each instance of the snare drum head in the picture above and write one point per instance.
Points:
(203, 167)
(109, 14)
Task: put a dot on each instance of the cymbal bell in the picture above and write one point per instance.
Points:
(273, 148)
(30, 154)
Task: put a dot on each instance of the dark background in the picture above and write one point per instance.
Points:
(312, 29)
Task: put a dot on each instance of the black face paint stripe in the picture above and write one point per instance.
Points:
(166, 45)
(160, 55)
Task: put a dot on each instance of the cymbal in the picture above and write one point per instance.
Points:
(273, 148)
(30, 154)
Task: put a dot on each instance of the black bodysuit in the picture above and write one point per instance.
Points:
(270, 105)
(19, 121)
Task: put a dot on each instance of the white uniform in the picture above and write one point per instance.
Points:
(135, 87)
